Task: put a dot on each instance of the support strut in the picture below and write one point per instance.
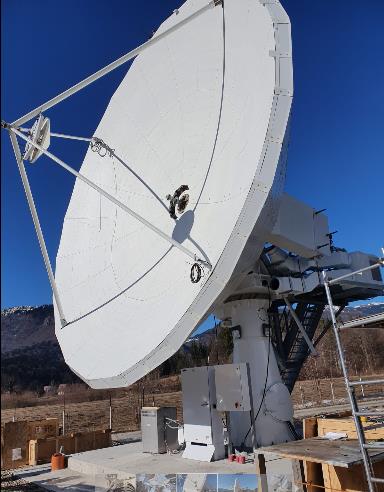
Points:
(120, 61)
(36, 223)
(301, 327)
(113, 199)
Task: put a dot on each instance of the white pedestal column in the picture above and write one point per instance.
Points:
(253, 347)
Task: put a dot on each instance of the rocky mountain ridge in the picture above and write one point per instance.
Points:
(32, 358)
(26, 326)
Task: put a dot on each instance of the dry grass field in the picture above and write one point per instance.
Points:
(90, 415)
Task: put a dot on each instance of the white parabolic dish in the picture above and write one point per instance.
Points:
(207, 107)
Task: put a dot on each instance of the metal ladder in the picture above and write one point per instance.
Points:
(350, 385)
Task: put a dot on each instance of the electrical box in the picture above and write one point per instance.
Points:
(158, 434)
(232, 388)
(203, 428)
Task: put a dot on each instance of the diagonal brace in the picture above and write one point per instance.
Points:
(113, 199)
(301, 327)
(36, 223)
(379, 263)
(112, 66)
(59, 135)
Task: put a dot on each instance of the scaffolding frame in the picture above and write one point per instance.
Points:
(372, 481)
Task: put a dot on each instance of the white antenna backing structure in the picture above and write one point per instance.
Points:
(178, 189)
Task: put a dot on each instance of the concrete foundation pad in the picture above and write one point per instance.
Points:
(92, 470)
(67, 479)
(128, 458)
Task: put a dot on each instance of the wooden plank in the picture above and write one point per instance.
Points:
(310, 427)
(261, 471)
(16, 436)
(372, 430)
(312, 471)
(353, 478)
(41, 450)
(342, 453)
(349, 480)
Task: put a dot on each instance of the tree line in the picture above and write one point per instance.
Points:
(43, 364)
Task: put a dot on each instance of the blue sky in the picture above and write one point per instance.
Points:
(211, 481)
(336, 148)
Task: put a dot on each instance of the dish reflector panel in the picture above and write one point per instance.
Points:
(204, 107)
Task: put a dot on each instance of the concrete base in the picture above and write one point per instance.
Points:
(67, 479)
(129, 458)
(92, 470)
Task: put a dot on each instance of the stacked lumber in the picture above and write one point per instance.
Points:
(335, 478)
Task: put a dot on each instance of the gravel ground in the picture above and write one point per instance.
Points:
(10, 483)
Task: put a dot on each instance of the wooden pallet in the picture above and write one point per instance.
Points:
(41, 450)
(16, 435)
(332, 466)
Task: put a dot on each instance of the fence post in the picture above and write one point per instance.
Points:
(110, 412)
(318, 389)
(332, 391)
(301, 394)
(14, 412)
(362, 389)
(63, 416)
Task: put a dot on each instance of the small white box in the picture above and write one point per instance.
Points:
(156, 435)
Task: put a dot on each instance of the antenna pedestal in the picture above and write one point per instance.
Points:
(271, 399)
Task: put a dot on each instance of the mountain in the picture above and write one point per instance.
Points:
(26, 326)
(352, 312)
(33, 367)
(31, 356)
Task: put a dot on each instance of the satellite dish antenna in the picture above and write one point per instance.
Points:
(178, 189)
(189, 112)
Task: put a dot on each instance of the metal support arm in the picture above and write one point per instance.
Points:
(36, 222)
(113, 199)
(104, 71)
(59, 135)
(301, 327)
(70, 137)
(380, 263)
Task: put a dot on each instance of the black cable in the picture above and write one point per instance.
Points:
(220, 109)
(264, 393)
(266, 377)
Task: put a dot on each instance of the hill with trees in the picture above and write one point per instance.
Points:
(32, 359)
